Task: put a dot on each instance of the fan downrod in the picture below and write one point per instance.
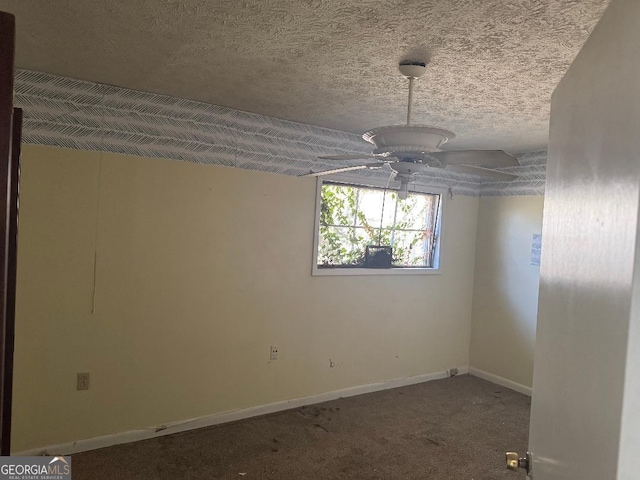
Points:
(411, 70)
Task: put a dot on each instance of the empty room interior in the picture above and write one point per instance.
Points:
(282, 239)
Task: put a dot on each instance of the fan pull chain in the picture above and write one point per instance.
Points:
(391, 176)
(384, 198)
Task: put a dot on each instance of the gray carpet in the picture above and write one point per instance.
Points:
(457, 428)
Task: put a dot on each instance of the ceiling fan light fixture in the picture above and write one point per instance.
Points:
(403, 191)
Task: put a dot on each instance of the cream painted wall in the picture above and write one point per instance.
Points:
(199, 270)
(505, 296)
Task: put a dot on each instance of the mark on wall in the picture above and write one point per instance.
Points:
(536, 247)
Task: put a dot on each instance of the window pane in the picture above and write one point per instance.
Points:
(365, 236)
(410, 249)
(414, 211)
(389, 215)
(385, 237)
(342, 246)
(370, 208)
(338, 205)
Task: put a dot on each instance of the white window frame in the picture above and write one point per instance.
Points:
(378, 183)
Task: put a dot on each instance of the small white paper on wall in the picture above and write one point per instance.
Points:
(536, 246)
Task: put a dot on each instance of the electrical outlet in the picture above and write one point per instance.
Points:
(83, 381)
(453, 372)
(273, 355)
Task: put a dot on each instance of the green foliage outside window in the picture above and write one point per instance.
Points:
(353, 217)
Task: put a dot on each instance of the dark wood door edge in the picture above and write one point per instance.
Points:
(7, 49)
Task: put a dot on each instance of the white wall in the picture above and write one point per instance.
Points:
(199, 270)
(505, 295)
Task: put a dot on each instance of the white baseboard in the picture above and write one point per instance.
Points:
(500, 381)
(218, 418)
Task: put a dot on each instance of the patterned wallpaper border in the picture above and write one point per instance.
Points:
(64, 112)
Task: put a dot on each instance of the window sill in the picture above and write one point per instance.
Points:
(327, 272)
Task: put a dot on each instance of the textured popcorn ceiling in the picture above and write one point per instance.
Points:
(332, 63)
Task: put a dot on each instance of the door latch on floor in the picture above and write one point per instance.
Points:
(514, 462)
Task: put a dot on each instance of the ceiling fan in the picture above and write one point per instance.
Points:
(412, 149)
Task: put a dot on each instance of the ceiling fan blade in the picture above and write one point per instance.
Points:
(371, 166)
(486, 158)
(484, 172)
(348, 157)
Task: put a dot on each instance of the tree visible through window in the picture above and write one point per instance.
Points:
(353, 217)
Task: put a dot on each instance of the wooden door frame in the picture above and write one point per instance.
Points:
(8, 154)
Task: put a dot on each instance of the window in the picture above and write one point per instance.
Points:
(359, 226)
